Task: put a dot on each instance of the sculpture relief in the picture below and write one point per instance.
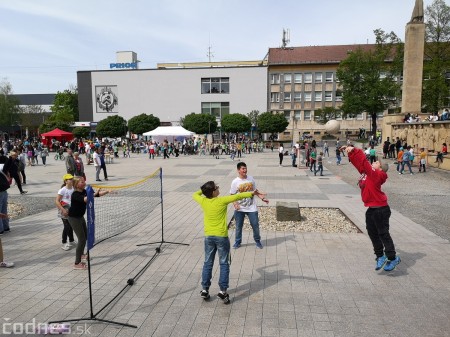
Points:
(417, 14)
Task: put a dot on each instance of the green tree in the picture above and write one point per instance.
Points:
(326, 114)
(9, 106)
(236, 123)
(112, 126)
(272, 123)
(143, 123)
(51, 125)
(199, 123)
(368, 77)
(253, 116)
(65, 106)
(81, 132)
(435, 92)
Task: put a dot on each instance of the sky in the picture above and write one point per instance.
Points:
(45, 42)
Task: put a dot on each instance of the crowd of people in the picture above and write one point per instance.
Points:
(435, 117)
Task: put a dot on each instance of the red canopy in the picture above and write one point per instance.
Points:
(60, 135)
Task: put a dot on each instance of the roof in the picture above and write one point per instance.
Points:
(57, 133)
(313, 54)
(35, 99)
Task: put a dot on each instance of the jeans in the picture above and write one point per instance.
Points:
(79, 227)
(319, 169)
(377, 225)
(4, 223)
(97, 172)
(408, 163)
(221, 245)
(254, 222)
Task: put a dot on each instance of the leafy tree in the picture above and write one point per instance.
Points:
(65, 106)
(435, 92)
(236, 123)
(199, 123)
(143, 123)
(9, 106)
(368, 77)
(112, 126)
(51, 125)
(324, 115)
(253, 115)
(81, 132)
(272, 123)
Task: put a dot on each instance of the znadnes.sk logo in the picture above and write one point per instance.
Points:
(33, 327)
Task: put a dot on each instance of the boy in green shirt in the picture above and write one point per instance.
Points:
(216, 235)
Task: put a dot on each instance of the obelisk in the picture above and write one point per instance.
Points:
(413, 61)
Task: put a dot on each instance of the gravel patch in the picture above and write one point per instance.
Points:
(317, 220)
(22, 206)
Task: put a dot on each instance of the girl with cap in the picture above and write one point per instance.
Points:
(63, 200)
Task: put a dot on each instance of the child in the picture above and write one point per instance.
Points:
(319, 164)
(422, 159)
(313, 159)
(338, 156)
(62, 202)
(378, 212)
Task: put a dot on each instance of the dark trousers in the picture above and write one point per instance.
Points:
(18, 183)
(103, 166)
(281, 158)
(24, 177)
(67, 232)
(79, 227)
(377, 225)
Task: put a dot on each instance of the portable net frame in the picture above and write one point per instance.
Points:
(110, 215)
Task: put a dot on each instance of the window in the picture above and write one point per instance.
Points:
(297, 96)
(318, 96)
(328, 77)
(318, 77)
(287, 78)
(338, 95)
(308, 77)
(216, 85)
(287, 115)
(217, 109)
(298, 78)
(328, 96)
(275, 79)
(307, 115)
(297, 115)
(287, 96)
(275, 97)
(360, 117)
(307, 96)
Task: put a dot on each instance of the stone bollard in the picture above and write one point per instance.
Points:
(287, 211)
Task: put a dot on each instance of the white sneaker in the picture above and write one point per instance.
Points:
(73, 244)
(66, 246)
(6, 264)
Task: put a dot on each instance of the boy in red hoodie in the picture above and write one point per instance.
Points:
(378, 212)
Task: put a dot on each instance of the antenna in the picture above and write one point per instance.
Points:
(286, 38)
(210, 53)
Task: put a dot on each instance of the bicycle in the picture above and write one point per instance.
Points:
(59, 156)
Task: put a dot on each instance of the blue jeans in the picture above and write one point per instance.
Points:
(254, 222)
(408, 163)
(212, 245)
(4, 223)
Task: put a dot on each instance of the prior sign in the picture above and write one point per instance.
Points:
(123, 65)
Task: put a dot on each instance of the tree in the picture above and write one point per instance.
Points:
(435, 92)
(51, 125)
(199, 123)
(236, 123)
(81, 132)
(65, 106)
(143, 123)
(9, 106)
(112, 126)
(324, 115)
(272, 123)
(368, 77)
(253, 116)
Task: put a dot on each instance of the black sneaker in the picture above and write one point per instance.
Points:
(204, 294)
(225, 297)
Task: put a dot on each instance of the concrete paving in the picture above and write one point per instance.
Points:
(300, 284)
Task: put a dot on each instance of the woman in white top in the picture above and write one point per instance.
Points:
(280, 153)
(63, 199)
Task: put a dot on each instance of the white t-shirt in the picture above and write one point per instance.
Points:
(280, 149)
(96, 159)
(66, 195)
(239, 185)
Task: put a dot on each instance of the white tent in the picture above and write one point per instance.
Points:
(170, 133)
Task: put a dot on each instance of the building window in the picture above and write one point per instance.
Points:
(216, 85)
(297, 115)
(360, 117)
(308, 77)
(287, 78)
(297, 96)
(275, 79)
(307, 96)
(328, 77)
(318, 96)
(328, 96)
(307, 115)
(318, 77)
(298, 78)
(275, 97)
(287, 96)
(287, 115)
(217, 109)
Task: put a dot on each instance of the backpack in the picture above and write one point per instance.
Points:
(406, 156)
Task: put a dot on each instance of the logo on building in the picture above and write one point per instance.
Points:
(106, 98)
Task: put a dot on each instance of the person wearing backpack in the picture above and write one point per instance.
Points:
(406, 160)
(372, 154)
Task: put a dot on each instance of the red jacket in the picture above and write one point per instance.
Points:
(370, 181)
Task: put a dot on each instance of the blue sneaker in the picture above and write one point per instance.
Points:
(259, 245)
(236, 245)
(381, 261)
(390, 265)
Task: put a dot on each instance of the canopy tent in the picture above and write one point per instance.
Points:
(169, 132)
(59, 135)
